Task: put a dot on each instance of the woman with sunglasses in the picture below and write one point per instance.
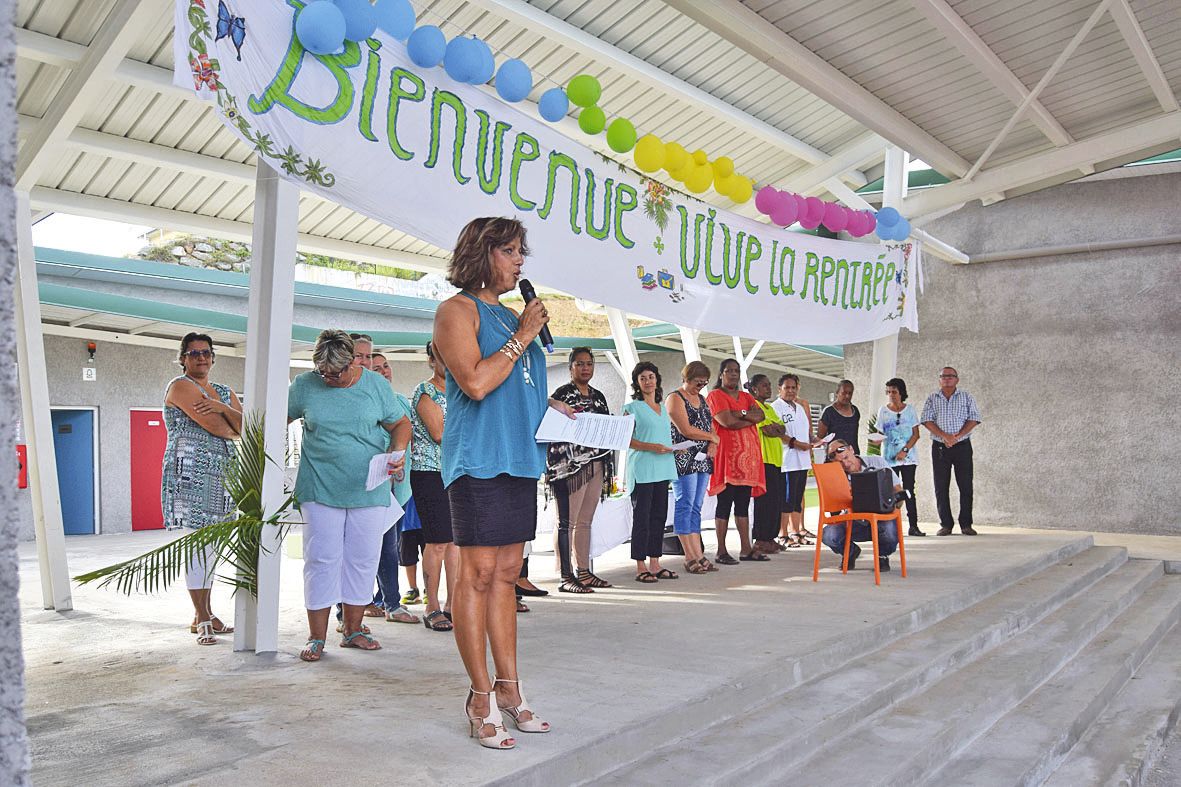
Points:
(203, 418)
(899, 422)
(692, 420)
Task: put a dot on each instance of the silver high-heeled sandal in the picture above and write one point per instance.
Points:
(534, 724)
(498, 740)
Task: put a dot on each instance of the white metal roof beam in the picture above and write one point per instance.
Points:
(972, 47)
(756, 36)
(941, 249)
(556, 29)
(121, 337)
(117, 210)
(116, 35)
(1117, 144)
(67, 54)
(869, 149)
(1125, 20)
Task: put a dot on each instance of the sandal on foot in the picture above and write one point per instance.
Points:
(437, 621)
(499, 739)
(522, 607)
(757, 557)
(400, 614)
(665, 573)
(340, 627)
(647, 577)
(592, 580)
(312, 651)
(726, 560)
(350, 641)
(373, 611)
(218, 626)
(708, 565)
(695, 567)
(574, 586)
(532, 724)
(205, 633)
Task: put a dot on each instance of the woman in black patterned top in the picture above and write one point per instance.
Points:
(579, 477)
(692, 420)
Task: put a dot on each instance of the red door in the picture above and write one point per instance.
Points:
(148, 438)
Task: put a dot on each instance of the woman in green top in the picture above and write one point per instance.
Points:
(349, 416)
(771, 436)
(650, 469)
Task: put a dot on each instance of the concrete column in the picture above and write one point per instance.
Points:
(268, 357)
(885, 350)
(625, 343)
(689, 343)
(34, 381)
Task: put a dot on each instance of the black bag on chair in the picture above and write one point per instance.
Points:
(873, 491)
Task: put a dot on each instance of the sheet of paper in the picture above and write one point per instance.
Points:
(701, 456)
(684, 445)
(379, 471)
(828, 438)
(589, 429)
(877, 438)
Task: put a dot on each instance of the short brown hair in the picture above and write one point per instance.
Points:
(694, 370)
(468, 269)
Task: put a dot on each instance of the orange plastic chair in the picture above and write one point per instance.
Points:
(836, 495)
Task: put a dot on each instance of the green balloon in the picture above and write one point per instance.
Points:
(584, 90)
(621, 135)
(591, 120)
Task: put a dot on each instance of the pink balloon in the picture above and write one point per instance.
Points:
(786, 210)
(766, 200)
(871, 222)
(808, 223)
(835, 217)
(813, 211)
(856, 222)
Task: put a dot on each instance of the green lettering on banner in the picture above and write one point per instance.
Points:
(732, 281)
(853, 280)
(827, 266)
(562, 161)
(490, 180)
(811, 271)
(840, 285)
(398, 93)
(439, 99)
(710, 276)
(785, 286)
(598, 233)
(889, 278)
(754, 250)
(690, 272)
(279, 89)
(867, 285)
(369, 91)
(771, 268)
(879, 271)
(625, 200)
(520, 156)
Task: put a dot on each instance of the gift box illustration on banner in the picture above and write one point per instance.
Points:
(666, 279)
(647, 280)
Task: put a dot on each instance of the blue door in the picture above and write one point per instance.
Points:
(73, 444)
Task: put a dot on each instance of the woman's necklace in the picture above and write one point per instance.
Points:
(524, 355)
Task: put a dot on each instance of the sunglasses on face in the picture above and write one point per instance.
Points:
(199, 354)
(838, 451)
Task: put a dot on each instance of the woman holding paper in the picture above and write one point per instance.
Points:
(349, 416)
(650, 468)
(496, 397)
(579, 478)
(692, 420)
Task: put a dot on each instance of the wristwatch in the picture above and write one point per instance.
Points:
(743, 413)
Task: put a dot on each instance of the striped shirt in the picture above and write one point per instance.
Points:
(950, 415)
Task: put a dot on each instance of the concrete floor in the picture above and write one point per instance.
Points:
(119, 693)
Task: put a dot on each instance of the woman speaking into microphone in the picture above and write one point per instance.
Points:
(496, 398)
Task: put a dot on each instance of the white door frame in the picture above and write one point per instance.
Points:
(98, 511)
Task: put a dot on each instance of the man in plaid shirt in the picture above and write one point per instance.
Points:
(950, 415)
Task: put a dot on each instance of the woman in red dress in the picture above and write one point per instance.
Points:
(738, 467)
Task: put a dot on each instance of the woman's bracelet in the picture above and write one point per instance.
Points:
(515, 345)
(510, 353)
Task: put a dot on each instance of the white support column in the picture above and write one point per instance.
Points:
(746, 360)
(885, 350)
(268, 358)
(38, 429)
(625, 343)
(689, 338)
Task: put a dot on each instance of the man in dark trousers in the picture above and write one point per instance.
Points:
(950, 415)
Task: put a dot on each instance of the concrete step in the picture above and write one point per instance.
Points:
(904, 743)
(1031, 740)
(788, 726)
(1124, 741)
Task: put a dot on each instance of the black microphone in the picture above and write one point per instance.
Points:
(529, 294)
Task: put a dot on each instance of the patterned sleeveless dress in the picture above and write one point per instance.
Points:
(191, 490)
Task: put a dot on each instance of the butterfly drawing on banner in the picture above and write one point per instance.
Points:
(232, 26)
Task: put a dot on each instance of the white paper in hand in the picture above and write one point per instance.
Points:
(379, 471)
(684, 445)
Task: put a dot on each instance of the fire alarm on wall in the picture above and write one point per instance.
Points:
(91, 347)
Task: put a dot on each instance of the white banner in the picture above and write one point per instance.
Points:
(417, 151)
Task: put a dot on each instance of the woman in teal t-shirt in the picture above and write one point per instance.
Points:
(349, 416)
(650, 469)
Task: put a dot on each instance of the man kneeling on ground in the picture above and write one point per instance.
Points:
(834, 535)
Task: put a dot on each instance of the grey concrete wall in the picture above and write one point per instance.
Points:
(14, 744)
(1075, 360)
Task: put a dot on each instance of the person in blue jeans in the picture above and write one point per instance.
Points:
(692, 420)
(834, 535)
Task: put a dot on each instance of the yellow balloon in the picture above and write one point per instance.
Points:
(741, 189)
(699, 158)
(723, 167)
(699, 178)
(675, 157)
(723, 185)
(649, 153)
(682, 173)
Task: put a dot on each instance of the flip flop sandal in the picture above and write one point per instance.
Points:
(400, 615)
(574, 586)
(754, 557)
(436, 621)
(350, 641)
(726, 560)
(647, 577)
(312, 651)
(665, 573)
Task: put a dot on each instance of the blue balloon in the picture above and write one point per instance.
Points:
(553, 105)
(902, 230)
(462, 59)
(395, 17)
(320, 27)
(487, 64)
(514, 81)
(426, 46)
(888, 217)
(359, 20)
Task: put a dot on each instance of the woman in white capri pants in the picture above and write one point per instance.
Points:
(349, 415)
